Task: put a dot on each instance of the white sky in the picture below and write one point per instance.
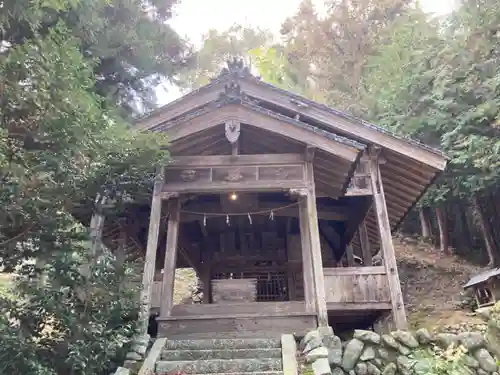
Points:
(193, 18)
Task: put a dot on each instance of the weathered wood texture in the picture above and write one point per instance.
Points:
(227, 326)
(315, 246)
(271, 308)
(234, 290)
(167, 290)
(307, 261)
(240, 172)
(360, 182)
(356, 285)
(364, 241)
(150, 261)
(388, 251)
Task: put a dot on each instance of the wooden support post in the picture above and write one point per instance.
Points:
(388, 252)
(206, 279)
(349, 253)
(317, 259)
(167, 288)
(365, 245)
(150, 260)
(307, 266)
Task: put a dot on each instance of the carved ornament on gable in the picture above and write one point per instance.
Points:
(232, 131)
(235, 67)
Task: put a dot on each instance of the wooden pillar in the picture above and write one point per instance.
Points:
(317, 259)
(307, 265)
(167, 288)
(386, 244)
(150, 260)
(206, 279)
(365, 245)
(349, 252)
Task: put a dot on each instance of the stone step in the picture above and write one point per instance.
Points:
(197, 354)
(193, 355)
(249, 373)
(216, 344)
(219, 366)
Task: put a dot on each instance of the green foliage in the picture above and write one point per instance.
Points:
(435, 361)
(130, 40)
(73, 322)
(217, 48)
(62, 143)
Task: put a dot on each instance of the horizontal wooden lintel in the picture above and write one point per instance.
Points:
(348, 271)
(235, 160)
(220, 187)
(358, 306)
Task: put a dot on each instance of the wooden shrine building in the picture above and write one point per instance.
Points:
(272, 199)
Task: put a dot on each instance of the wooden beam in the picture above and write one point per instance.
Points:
(226, 187)
(317, 259)
(307, 265)
(364, 242)
(235, 160)
(263, 121)
(167, 290)
(150, 260)
(346, 307)
(354, 271)
(387, 246)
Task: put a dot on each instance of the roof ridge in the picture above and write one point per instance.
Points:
(348, 116)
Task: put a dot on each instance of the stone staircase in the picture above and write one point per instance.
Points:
(221, 356)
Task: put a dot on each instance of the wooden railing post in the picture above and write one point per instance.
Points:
(388, 252)
(150, 260)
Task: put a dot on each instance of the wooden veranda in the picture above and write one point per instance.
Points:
(272, 199)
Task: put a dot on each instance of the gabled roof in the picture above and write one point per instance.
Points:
(252, 87)
(482, 277)
(409, 168)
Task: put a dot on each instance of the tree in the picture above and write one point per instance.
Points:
(130, 40)
(353, 30)
(217, 48)
(61, 144)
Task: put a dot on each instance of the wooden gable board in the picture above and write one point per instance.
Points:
(251, 115)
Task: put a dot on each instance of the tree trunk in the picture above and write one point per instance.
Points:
(465, 227)
(443, 231)
(424, 222)
(485, 228)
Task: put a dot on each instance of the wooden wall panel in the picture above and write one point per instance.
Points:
(356, 285)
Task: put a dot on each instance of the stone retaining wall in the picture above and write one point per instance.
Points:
(398, 353)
